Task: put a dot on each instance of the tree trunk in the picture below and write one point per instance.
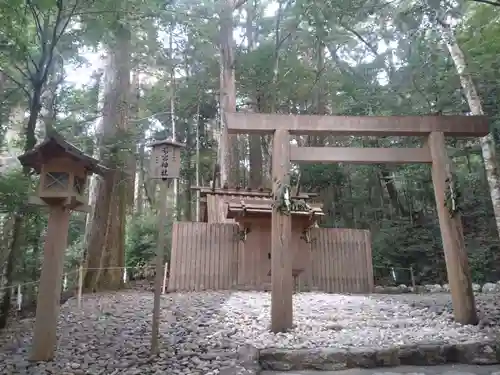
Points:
(106, 247)
(197, 166)
(93, 188)
(35, 107)
(487, 142)
(175, 183)
(255, 140)
(228, 147)
(135, 95)
(393, 192)
(139, 204)
(15, 249)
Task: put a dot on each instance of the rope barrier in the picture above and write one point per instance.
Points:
(396, 268)
(393, 269)
(118, 268)
(16, 284)
(75, 271)
(80, 272)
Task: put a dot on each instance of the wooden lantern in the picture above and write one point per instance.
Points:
(63, 170)
(165, 160)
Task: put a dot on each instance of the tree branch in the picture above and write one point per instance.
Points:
(363, 40)
(29, 60)
(57, 34)
(494, 3)
(18, 83)
(239, 3)
(23, 73)
(36, 17)
(10, 93)
(46, 61)
(68, 17)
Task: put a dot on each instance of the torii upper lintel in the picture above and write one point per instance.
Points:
(456, 125)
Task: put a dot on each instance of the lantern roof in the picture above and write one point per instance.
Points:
(55, 146)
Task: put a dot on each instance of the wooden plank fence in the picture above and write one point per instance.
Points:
(209, 256)
(204, 256)
(341, 260)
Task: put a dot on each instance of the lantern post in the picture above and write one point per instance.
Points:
(64, 171)
(164, 165)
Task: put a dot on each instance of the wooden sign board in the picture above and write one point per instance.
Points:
(165, 162)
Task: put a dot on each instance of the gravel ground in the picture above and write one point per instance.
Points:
(202, 332)
(342, 321)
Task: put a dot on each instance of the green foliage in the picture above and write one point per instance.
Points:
(141, 241)
(479, 37)
(14, 188)
(345, 58)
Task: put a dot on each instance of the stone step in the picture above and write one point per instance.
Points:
(455, 369)
(334, 359)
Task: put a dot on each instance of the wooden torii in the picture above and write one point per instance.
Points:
(434, 127)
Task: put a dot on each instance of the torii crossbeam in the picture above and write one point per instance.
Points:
(434, 127)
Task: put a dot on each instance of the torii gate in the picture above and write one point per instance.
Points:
(434, 127)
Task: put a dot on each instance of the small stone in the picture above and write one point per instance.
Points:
(490, 288)
(403, 288)
(435, 288)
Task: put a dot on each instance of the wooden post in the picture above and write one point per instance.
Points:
(65, 281)
(19, 298)
(457, 263)
(49, 293)
(165, 165)
(281, 234)
(165, 272)
(159, 266)
(80, 286)
(413, 284)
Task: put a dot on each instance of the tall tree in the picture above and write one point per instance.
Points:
(228, 146)
(106, 246)
(488, 147)
(255, 141)
(32, 33)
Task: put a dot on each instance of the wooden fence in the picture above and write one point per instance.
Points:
(204, 256)
(341, 260)
(210, 256)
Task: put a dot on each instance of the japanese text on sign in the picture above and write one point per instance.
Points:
(164, 162)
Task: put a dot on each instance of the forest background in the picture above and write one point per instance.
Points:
(111, 76)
